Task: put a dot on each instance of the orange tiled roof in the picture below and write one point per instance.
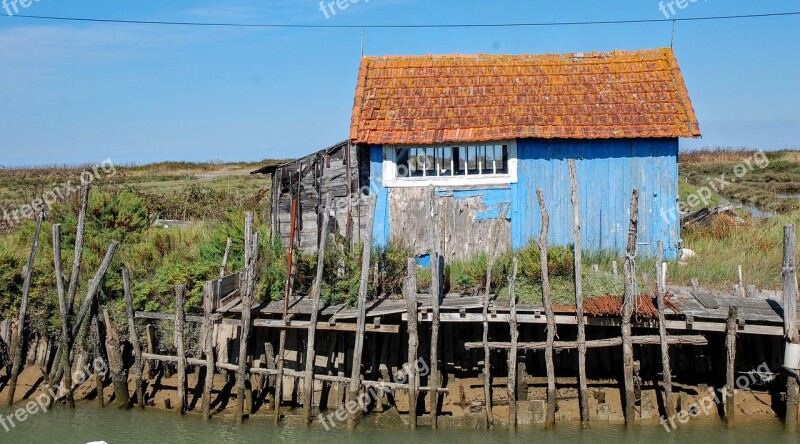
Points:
(474, 98)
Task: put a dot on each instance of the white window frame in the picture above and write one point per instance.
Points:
(390, 179)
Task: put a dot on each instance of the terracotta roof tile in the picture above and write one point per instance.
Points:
(473, 98)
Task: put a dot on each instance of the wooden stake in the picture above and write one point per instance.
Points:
(550, 417)
(512, 353)
(730, 346)
(436, 294)
(308, 386)
(248, 296)
(790, 319)
(410, 290)
(208, 347)
(116, 365)
(614, 268)
(666, 369)
(224, 265)
(578, 278)
(66, 333)
(355, 376)
(134, 338)
(627, 312)
(97, 351)
(18, 347)
(180, 296)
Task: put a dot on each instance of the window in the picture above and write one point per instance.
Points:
(456, 165)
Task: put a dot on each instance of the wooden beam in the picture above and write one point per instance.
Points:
(790, 319)
(666, 369)
(595, 343)
(583, 389)
(627, 309)
(225, 258)
(436, 294)
(248, 296)
(116, 365)
(512, 354)
(324, 326)
(730, 347)
(410, 289)
(208, 347)
(65, 351)
(133, 337)
(180, 297)
(550, 416)
(355, 375)
(18, 346)
(308, 386)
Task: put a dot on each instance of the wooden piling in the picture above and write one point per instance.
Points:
(666, 369)
(286, 295)
(627, 311)
(208, 347)
(730, 347)
(248, 293)
(550, 416)
(790, 320)
(66, 333)
(97, 352)
(116, 365)
(19, 346)
(355, 376)
(410, 290)
(512, 353)
(436, 294)
(133, 337)
(224, 265)
(308, 383)
(180, 296)
(583, 388)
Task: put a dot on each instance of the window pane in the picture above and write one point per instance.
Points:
(402, 158)
(444, 156)
(430, 161)
(417, 163)
(472, 159)
(461, 162)
(502, 160)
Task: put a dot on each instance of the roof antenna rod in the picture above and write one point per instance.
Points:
(672, 43)
(362, 43)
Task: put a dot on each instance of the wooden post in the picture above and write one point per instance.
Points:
(627, 312)
(134, 338)
(248, 293)
(180, 296)
(224, 265)
(751, 291)
(512, 353)
(578, 257)
(410, 291)
(730, 346)
(208, 347)
(666, 369)
(790, 319)
(436, 294)
(115, 364)
(286, 295)
(355, 376)
(550, 417)
(66, 336)
(150, 346)
(97, 351)
(740, 287)
(308, 386)
(18, 347)
(614, 268)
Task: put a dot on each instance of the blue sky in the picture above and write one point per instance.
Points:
(84, 92)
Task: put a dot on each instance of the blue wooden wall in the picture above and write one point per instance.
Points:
(608, 171)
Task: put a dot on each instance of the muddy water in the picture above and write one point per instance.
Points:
(88, 424)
